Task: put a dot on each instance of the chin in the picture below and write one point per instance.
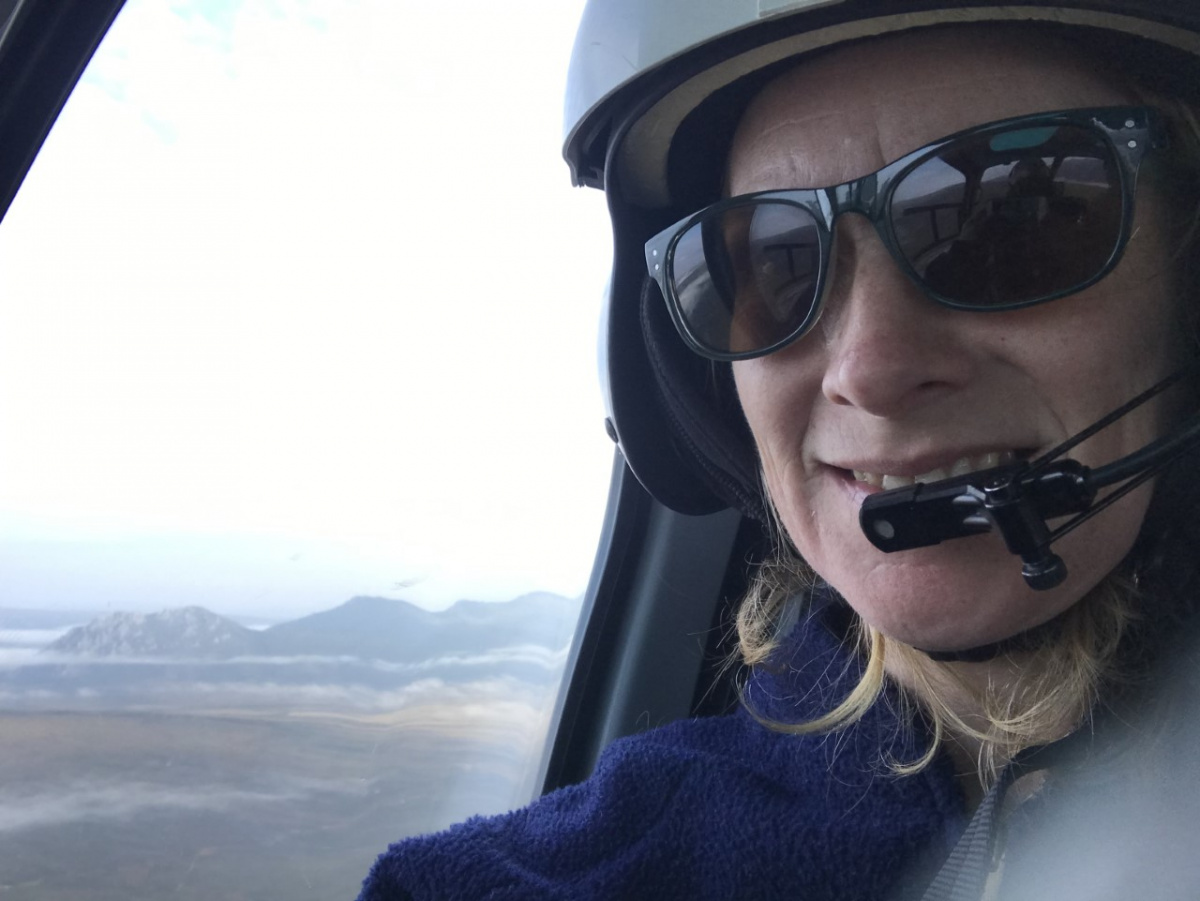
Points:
(956, 597)
(960, 594)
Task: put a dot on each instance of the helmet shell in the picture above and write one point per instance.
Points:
(653, 93)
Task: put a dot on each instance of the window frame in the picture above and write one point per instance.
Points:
(654, 634)
(44, 47)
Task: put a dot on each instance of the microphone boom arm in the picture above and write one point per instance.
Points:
(1018, 499)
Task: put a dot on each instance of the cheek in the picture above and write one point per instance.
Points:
(776, 395)
(1087, 354)
(1153, 323)
(780, 397)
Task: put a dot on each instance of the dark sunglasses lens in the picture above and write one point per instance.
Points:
(746, 276)
(1011, 217)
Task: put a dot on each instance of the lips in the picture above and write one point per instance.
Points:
(960, 466)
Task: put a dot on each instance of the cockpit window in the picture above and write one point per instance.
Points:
(301, 444)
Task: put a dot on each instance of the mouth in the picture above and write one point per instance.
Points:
(958, 467)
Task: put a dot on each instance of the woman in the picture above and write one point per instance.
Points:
(1007, 262)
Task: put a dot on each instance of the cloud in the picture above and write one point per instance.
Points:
(504, 697)
(529, 655)
(30, 638)
(93, 800)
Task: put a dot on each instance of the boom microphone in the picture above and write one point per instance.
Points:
(1018, 499)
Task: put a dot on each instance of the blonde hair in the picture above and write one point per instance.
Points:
(1064, 666)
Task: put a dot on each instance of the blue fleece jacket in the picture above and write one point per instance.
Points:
(716, 808)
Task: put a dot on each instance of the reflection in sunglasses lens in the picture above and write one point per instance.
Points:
(746, 278)
(1010, 218)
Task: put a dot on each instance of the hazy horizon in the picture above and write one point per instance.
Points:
(257, 576)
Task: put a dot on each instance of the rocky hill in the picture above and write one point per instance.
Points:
(184, 632)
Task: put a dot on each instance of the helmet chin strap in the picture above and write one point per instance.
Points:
(1018, 499)
(981, 654)
(985, 652)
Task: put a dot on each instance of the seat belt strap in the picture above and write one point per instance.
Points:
(964, 875)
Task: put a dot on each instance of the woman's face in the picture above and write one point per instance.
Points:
(891, 384)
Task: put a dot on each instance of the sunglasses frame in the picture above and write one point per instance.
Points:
(1129, 131)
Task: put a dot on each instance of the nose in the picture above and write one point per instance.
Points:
(888, 346)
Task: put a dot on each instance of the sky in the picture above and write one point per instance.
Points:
(298, 303)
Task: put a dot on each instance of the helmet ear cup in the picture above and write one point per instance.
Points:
(675, 415)
(702, 419)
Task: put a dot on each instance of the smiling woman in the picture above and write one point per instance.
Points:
(291, 551)
(856, 397)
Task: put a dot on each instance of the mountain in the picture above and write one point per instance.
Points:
(539, 618)
(363, 627)
(184, 632)
(385, 629)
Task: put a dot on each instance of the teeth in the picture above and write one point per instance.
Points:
(932, 476)
(959, 467)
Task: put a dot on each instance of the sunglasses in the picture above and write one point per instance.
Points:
(997, 217)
